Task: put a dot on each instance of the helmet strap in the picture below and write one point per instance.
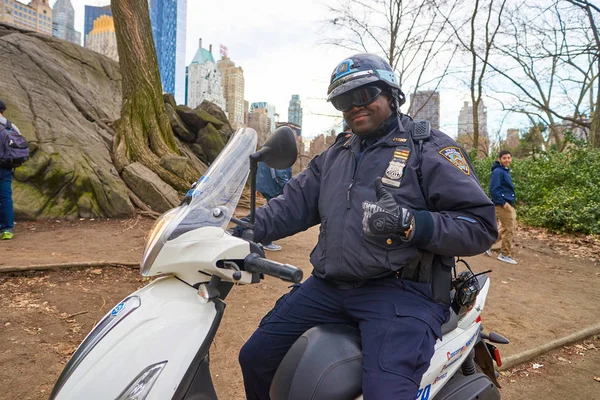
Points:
(399, 99)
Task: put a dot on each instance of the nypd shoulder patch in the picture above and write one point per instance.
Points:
(457, 158)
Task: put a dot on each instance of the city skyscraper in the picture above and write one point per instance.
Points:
(465, 120)
(512, 138)
(102, 39)
(295, 110)
(204, 80)
(270, 109)
(91, 14)
(233, 90)
(35, 16)
(425, 105)
(259, 120)
(168, 19)
(63, 22)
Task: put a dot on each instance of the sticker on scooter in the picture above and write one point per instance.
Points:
(448, 365)
(471, 340)
(439, 378)
(118, 308)
(455, 353)
(423, 394)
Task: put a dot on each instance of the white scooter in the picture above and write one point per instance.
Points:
(154, 344)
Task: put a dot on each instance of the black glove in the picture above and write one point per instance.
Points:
(238, 230)
(385, 217)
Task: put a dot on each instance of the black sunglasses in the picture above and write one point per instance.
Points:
(358, 97)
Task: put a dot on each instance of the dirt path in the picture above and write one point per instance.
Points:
(571, 372)
(44, 315)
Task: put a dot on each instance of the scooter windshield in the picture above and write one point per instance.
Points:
(217, 193)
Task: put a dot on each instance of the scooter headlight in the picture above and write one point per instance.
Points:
(142, 384)
(157, 238)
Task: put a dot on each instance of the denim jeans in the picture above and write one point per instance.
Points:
(7, 214)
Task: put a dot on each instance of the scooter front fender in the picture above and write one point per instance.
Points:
(165, 321)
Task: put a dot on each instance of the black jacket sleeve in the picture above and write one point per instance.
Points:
(296, 210)
(462, 221)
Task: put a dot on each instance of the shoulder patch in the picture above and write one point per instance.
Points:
(457, 158)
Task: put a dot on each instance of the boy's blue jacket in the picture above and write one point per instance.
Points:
(502, 189)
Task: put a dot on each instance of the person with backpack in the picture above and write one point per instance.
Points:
(14, 151)
(270, 183)
(396, 201)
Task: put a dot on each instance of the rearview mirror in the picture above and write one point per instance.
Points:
(280, 150)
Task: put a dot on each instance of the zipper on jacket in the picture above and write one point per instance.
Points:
(348, 194)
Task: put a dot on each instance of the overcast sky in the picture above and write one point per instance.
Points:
(276, 43)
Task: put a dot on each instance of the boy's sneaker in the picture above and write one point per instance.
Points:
(271, 247)
(488, 253)
(7, 235)
(506, 259)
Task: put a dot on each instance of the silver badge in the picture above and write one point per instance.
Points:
(395, 170)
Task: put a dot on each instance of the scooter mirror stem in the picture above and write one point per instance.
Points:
(253, 171)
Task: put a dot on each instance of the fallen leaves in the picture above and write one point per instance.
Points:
(573, 245)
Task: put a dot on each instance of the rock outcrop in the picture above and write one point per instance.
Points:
(64, 99)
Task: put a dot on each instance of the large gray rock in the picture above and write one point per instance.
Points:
(219, 114)
(63, 98)
(168, 98)
(175, 164)
(148, 186)
(196, 119)
(211, 142)
(178, 126)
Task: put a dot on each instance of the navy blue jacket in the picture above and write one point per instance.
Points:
(456, 219)
(502, 189)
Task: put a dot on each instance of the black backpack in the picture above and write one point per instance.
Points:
(14, 149)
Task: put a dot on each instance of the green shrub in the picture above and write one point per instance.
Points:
(559, 191)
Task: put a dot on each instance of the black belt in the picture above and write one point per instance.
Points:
(348, 285)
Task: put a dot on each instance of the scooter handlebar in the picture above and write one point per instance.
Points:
(286, 272)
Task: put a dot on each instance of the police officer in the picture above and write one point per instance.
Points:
(394, 207)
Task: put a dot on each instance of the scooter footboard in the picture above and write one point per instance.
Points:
(157, 332)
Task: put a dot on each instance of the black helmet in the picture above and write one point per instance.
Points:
(360, 70)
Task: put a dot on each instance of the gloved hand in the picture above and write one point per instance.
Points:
(238, 230)
(385, 217)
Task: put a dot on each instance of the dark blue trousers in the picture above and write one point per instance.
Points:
(7, 214)
(398, 322)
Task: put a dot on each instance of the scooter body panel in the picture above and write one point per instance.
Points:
(170, 324)
(200, 250)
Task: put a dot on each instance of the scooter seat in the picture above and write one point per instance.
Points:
(452, 323)
(323, 364)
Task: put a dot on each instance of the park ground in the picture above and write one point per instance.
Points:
(552, 293)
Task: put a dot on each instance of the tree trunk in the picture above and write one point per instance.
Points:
(143, 133)
(594, 134)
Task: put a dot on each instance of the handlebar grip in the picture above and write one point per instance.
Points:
(286, 272)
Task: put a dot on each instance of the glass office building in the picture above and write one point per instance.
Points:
(63, 22)
(168, 18)
(295, 110)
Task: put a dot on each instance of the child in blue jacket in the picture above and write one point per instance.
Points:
(502, 191)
